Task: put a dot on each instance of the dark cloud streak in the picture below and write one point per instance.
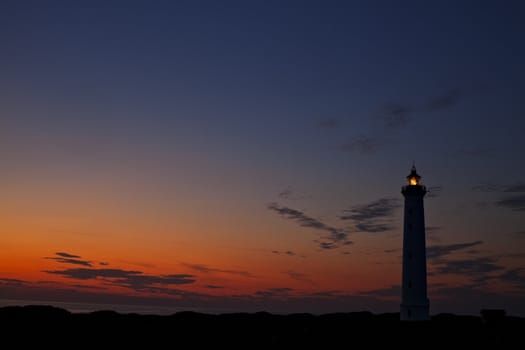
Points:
(392, 291)
(287, 252)
(211, 286)
(434, 191)
(71, 261)
(374, 216)
(67, 255)
(388, 251)
(66, 258)
(383, 207)
(474, 268)
(335, 238)
(273, 292)
(83, 286)
(515, 277)
(299, 276)
(286, 193)
(206, 269)
(135, 280)
(12, 282)
(515, 188)
(439, 251)
(515, 203)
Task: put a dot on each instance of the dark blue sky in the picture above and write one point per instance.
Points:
(216, 107)
(271, 70)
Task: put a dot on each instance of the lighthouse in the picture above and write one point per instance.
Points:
(414, 300)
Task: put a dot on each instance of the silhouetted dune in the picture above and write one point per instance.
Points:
(50, 324)
(33, 313)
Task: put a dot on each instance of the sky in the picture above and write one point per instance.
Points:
(249, 155)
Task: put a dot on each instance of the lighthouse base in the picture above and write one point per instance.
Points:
(414, 312)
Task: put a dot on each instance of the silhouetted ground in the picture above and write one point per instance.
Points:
(41, 325)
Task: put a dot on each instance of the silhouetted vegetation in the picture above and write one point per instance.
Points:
(47, 324)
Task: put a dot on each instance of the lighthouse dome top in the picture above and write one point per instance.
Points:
(414, 186)
(413, 178)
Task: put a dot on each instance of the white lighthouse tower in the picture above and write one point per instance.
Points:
(414, 301)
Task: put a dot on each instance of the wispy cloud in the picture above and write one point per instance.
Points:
(439, 251)
(374, 216)
(207, 269)
(66, 258)
(290, 194)
(274, 292)
(71, 261)
(212, 286)
(434, 191)
(287, 252)
(286, 193)
(515, 203)
(85, 286)
(362, 145)
(380, 208)
(326, 245)
(67, 255)
(326, 294)
(515, 188)
(468, 267)
(395, 250)
(514, 255)
(392, 291)
(516, 277)
(395, 115)
(478, 269)
(373, 227)
(444, 101)
(299, 276)
(135, 280)
(335, 237)
(12, 282)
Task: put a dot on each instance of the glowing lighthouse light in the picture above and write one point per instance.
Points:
(413, 177)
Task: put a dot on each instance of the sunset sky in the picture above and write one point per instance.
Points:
(249, 155)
